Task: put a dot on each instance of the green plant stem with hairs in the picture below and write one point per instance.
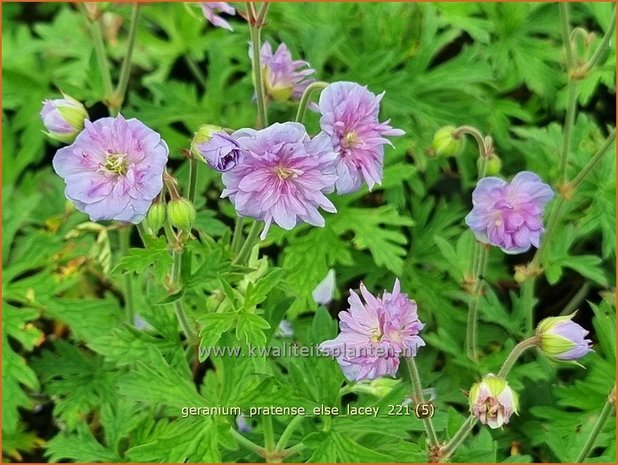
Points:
(478, 262)
(451, 446)
(119, 94)
(608, 409)
(304, 100)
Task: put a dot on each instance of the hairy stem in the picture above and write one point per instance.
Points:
(178, 308)
(255, 31)
(193, 172)
(269, 435)
(417, 389)
(237, 236)
(100, 52)
(125, 71)
(479, 267)
(195, 70)
(125, 235)
(515, 354)
(289, 430)
(608, 408)
(462, 433)
(304, 100)
(596, 158)
(247, 444)
(245, 250)
(607, 37)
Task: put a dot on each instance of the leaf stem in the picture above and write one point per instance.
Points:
(247, 444)
(248, 244)
(124, 236)
(178, 308)
(608, 408)
(125, 71)
(566, 34)
(237, 236)
(287, 433)
(195, 70)
(417, 389)
(269, 435)
(304, 100)
(527, 291)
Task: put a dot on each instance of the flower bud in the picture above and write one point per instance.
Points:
(181, 213)
(63, 118)
(493, 167)
(277, 89)
(492, 401)
(562, 339)
(213, 145)
(155, 218)
(445, 144)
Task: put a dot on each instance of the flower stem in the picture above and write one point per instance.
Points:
(479, 267)
(608, 408)
(571, 89)
(515, 354)
(248, 444)
(255, 27)
(289, 430)
(237, 236)
(193, 172)
(124, 236)
(594, 160)
(598, 53)
(248, 244)
(180, 313)
(101, 54)
(417, 389)
(304, 100)
(450, 447)
(527, 291)
(125, 71)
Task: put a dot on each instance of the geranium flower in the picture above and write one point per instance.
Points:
(283, 176)
(114, 169)
(210, 10)
(350, 118)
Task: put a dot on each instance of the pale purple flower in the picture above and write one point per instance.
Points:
(492, 401)
(114, 169)
(283, 77)
(210, 10)
(63, 118)
(509, 215)
(221, 151)
(375, 334)
(243, 425)
(285, 329)
(325, 290)
(563, 339)
(283, 177)
(350, 118)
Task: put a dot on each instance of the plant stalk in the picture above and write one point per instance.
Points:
(304, 100)
(287, 433)
(417, 389)
(608, 408)
(248, 244)
(125, 71)
(125, 236)
(178, 308)
(255, 31)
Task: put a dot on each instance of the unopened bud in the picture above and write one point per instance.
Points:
(445, 144)
(181, 213)
(63, 118)
(217, 148)
(155, 218)
(562, 339)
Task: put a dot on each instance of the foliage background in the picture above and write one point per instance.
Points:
(80, 385)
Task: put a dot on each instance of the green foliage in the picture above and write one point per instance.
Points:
(84, 383)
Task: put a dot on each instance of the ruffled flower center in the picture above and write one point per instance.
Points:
(284, 173)
(376, 335)
(350, 139)
(116, 164)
